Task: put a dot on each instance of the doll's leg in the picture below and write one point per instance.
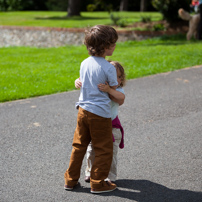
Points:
(90, 156)
(113, 169)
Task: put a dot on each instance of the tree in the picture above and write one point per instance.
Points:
(73, 8)
(124, 5)
(143, 5)
(169, 8)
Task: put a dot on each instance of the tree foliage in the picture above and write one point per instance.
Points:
(56, 5)
(15, 5)
(169, 8)
(129, 5)
(62, 5)
(9, 5)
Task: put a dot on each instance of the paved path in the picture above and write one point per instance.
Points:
(161, 161)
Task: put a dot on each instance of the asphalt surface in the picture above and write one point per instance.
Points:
(161, 161)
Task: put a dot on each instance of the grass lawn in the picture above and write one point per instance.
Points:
(60, 19)
(28, 72)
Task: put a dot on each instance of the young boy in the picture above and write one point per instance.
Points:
(94, 118)
(117, 98)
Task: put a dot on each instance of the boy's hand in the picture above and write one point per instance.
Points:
(78, 83)
(104, 87)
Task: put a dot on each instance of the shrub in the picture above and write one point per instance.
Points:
(10, 5)
(145, 18)
(17, 5)
(169, 8)
(55, 5)
(91, 7)
(159, 27)
(114, 19)
(100, 5)
(122, 23)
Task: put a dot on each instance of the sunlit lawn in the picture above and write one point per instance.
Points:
(60, 19)
(28, 72)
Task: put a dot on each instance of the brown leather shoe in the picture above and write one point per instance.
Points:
(87, 179)
(107, 187)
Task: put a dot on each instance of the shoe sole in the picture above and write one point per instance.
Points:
(69, 189)
(99, 192)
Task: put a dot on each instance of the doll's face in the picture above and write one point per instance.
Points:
(119, 77)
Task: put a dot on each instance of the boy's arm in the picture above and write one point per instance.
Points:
(78, 84)
(114, 95)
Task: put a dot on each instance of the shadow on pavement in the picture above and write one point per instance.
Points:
(147, 191)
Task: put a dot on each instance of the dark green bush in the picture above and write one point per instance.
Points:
(145, 19)
(91, 7)
(56, 5)
(10, 5)
(19, 5)
(114, 19)
(169, 8)
(100, 5)
(159, 27)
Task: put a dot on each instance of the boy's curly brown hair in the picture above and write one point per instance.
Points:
(98, 38)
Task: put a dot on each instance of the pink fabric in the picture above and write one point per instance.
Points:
(117, 124)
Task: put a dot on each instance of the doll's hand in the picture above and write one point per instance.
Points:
(104, 87)
(78, 83)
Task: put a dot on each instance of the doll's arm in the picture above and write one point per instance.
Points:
(78, 83)
(121, 99)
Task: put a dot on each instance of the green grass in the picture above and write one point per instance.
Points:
(60, 19)
(28, 72)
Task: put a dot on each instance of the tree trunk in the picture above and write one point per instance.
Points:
(143, 5)
(73, 7)
(124, 5)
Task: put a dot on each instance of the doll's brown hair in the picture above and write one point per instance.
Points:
(118, 66)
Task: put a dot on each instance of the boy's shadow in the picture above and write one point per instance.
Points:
(144, 190)
(147, 191)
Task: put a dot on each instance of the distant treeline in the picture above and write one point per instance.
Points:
(62, 5)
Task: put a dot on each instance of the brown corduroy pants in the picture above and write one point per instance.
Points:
(91, 127)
